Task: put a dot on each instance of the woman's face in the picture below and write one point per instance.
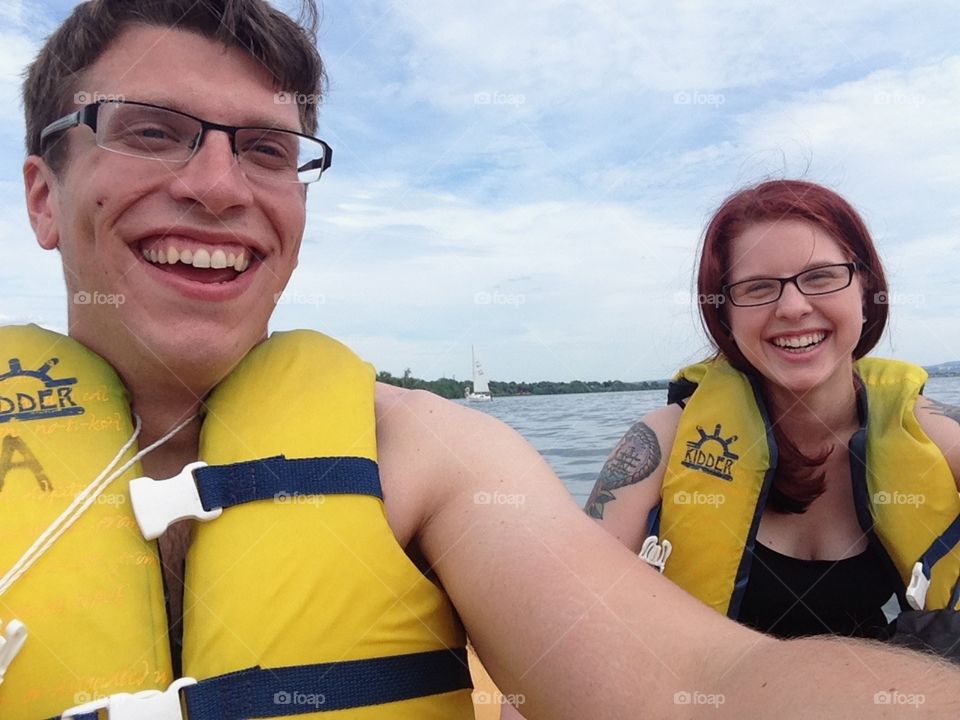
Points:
(798, 342)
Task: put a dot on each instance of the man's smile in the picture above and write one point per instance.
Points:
(199, 257)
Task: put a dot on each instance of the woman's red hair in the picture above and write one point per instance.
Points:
(799, 478)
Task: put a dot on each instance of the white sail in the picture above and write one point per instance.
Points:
(481, 390)
(479, 379)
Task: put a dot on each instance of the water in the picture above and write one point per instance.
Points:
(576, 433)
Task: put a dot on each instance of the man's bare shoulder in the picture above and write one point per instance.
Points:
(418, 429)
(431, 449)
(422, 417)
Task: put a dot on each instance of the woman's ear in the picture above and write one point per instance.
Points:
(40, 185)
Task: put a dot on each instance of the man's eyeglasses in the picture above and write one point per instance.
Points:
(821, 280)
(156, 133)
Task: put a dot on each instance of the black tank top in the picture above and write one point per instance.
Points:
(790, 597)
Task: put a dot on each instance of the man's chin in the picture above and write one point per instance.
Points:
(194, 353)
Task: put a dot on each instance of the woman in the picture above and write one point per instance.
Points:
(794, 488)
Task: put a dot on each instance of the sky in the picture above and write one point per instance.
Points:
(532, 179)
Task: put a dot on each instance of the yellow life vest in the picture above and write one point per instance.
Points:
(722, 464)
(310, 586)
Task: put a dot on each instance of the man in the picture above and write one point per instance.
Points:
(196, 225)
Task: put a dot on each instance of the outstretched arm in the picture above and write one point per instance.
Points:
(564, 615)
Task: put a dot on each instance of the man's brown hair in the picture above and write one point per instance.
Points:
(285, 47)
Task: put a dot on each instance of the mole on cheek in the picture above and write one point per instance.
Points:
(100, 202)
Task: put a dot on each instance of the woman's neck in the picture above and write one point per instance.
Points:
(818, 417)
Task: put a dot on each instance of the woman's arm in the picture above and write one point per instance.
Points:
(628, 486)
(941, 423)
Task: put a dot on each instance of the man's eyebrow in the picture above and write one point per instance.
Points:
(252, 120)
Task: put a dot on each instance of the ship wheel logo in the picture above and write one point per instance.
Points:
(711, 454)
(35, 395)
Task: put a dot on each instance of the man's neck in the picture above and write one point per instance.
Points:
(161, 408)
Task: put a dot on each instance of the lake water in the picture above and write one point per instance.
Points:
(575, 433)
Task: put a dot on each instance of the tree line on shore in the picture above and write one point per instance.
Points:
(452, 389)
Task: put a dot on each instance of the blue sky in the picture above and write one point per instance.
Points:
(533, 178)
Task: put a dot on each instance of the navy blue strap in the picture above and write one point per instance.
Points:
(947, 541)
(223, 486)
(82, 716)
(279, 692)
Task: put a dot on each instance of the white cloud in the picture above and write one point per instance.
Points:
(552, 49)
(583, 186)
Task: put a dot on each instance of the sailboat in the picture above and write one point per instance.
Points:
(481, 390)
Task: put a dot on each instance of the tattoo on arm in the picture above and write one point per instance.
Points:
(634, 459)
(947, 411)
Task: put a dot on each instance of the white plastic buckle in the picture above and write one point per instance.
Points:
(145, 705)
(655, 554)
(917, 589)
(14, 636)
(157, 504)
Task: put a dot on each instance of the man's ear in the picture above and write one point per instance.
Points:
(40, 185)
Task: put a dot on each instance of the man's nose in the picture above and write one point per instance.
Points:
(212, 176)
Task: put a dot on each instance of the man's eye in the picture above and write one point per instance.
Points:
(148, 135)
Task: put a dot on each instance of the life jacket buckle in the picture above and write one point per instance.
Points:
(144, 705)
(917, 589)
(655, 554)
(157, 504)
(14, 636)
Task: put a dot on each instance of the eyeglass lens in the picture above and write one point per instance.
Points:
(159, 134)
(816, 281)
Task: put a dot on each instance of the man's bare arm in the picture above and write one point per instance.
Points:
(567, 617)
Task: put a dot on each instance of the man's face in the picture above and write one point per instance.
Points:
(117, 218)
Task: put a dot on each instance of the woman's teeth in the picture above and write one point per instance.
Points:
(200, 258)
(800, 343)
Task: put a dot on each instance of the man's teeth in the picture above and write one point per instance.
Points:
(799, 341)
(200, 258)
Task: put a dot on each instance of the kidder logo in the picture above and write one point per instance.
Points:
(52, 399)
(711, 454)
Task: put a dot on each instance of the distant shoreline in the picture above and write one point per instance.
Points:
(453, 389)
(456, 389)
